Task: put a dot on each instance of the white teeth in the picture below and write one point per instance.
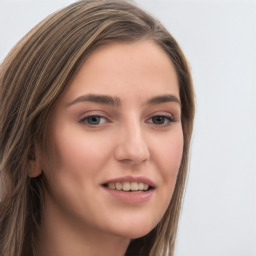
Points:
(112, 185)
(128, 186)
(141, 186)
(134, 186)
(145, 187)
(119, 186)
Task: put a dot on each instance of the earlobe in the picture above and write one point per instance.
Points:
(34, 169)
(34, 166)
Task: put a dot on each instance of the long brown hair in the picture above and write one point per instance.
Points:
(32, 78)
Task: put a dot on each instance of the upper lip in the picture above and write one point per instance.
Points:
(132, 179)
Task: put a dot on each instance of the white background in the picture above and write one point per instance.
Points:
(219, 39)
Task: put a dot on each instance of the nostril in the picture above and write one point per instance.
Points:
(133, 149)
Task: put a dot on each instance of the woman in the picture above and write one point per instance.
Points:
(96, 117)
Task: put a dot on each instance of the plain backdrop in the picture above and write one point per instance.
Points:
(219, 39)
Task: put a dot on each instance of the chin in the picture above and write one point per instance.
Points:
(140, 234)
(133, 223)
(134, 231)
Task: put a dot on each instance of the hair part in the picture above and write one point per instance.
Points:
(32, 78)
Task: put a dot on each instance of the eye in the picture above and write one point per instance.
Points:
(161, 120)
(94, 120)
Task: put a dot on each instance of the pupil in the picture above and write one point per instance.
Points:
(158, 119)
(94, 120)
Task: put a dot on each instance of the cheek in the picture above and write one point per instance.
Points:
(74, 167)
(77, 152)
(72, 161)
(169, 154)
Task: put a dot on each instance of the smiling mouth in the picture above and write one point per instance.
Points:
(128, 186)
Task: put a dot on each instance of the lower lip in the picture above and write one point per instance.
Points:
(131, 197)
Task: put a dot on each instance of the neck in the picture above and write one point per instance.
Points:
(61, 236)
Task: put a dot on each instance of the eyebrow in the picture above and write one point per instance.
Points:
(116, 102)
(101, 99)
(162, 99)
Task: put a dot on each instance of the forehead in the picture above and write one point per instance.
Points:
(120, 68)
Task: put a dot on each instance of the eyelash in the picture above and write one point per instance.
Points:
(85, 119)
(167, 120)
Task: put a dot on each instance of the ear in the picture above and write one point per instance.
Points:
(34, 166)
(34, 169)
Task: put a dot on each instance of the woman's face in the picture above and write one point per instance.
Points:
(117, 142)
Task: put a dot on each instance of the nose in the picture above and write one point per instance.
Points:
(131, 146)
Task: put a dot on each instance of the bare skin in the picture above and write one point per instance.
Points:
(117, 124)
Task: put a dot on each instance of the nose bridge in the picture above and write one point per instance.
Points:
(132, 145)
